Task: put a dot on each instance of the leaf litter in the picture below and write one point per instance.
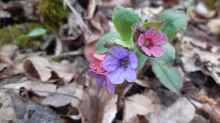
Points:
(56, 88)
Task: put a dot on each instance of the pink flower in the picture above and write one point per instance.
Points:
(96, 70)
(151, 42)
(96, 62)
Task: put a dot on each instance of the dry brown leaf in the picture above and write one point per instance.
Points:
(98, 106)
(113, 3)
(7, 65)
(59, 46)
(69, 94)
(8, 50)
(138, 119)
(88, 107)
(91, 8)
(89, 51)
(181, 111)
(213, 111)
(6, 110)
(40, 68)
(194, 51)
(214, 26)
(37, 68)
(140, 104)
(108, 109)
(30, 112)
(202, 10)
(64, 70)
(199, 119)
(42, 89)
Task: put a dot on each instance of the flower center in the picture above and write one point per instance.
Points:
(148, 42)
(125, 62)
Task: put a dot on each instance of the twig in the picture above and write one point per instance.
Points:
(73, 53)
(40, 91)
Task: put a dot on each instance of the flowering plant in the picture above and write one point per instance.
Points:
(119, 55)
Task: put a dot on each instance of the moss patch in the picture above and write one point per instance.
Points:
(53, 12)
(9, 34)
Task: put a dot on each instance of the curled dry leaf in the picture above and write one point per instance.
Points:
(181, 111)
(140, 104)
(40, 68)
(37, 68)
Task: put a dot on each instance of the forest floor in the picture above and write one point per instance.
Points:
(45, 46)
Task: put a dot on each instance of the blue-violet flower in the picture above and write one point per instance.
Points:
(121, 65)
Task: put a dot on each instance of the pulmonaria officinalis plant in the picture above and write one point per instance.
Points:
(119, 55)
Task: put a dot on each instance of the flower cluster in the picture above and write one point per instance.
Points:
(120, 54)
(120, 64)
(114, 68)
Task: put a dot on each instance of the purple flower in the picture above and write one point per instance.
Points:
(151, 42)
(99, 73)
(121, 65)
(103, 81)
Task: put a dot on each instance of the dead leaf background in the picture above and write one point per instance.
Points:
(53, 80)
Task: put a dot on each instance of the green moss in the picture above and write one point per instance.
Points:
(211, 4)
(53, 12)
(11, 33)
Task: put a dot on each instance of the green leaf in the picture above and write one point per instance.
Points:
(174, 20)
(169, 77)
(153, 23)
(22, 40)
(124, 19)
(37, 32)
(168, 56)
(109, 38)
(141, 58)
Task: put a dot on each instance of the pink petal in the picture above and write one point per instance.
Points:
(99, 57)
(160, 39)
(157, 37)
(141, 40)
(147, 51)
(150, 33)
(156, 51)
